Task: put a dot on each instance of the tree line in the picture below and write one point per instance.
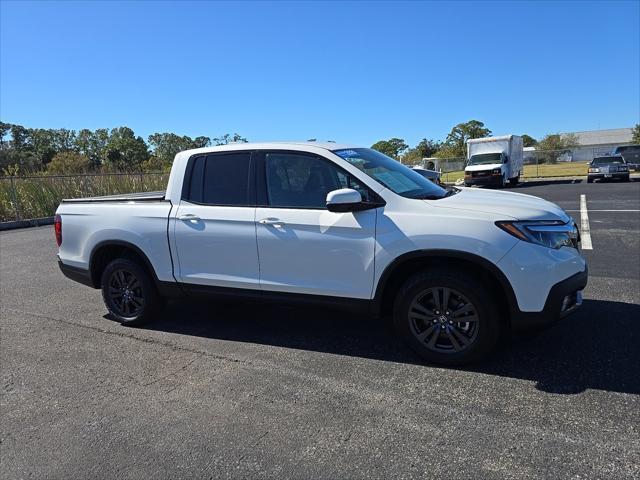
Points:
(455, 144)
(62, 151)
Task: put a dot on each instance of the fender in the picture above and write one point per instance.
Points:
(170, 289)
(453, 254)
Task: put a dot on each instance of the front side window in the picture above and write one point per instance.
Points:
(297, 180)
(392, 174)
(221, 179)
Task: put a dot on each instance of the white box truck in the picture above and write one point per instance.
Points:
(494, 161)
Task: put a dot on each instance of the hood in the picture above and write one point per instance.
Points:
(506, 205)
(487, 166)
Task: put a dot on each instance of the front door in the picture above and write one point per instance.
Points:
(214, 225)
(303, 247)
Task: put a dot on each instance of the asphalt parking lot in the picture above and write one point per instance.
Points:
(249, 390)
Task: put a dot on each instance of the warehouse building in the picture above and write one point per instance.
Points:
(594, 143)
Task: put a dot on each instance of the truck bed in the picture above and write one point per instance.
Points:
(121, 197)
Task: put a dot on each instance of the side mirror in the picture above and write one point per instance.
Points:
(506, 159)
(344, 200)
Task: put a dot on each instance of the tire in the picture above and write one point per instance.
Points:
(514, 181)
(589, 180)
(125, 278)
(627, 179)
(430, 334)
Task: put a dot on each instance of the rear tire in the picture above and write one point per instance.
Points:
(466, 326)
(589, 180)
(129, 293)
(514, 181)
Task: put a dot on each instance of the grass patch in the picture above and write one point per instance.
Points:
(36, 197)
(568, 169)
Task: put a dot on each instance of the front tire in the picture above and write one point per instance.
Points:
(129, 293)
(514, 181)
(447, 317)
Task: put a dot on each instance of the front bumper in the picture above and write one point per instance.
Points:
(609, 176)
(563, 299)
(484, 180)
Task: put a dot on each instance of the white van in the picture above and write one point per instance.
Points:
(494, 161)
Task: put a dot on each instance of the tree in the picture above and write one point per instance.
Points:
(93, 145)
(125, 151)
(68, 162)
(5, 128)
(528, 141)
(554, 145)
(424, 149)
(165, 146)
(428, 148)
(226, 139)
(42, 143)
(635, 133)
(457, 139)
(392, 148)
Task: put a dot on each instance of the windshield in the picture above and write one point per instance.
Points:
(392, 174)
(607, 160)
(485, 159)
(628, 148)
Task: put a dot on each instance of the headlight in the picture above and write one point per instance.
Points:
(496, 171)
(551, 234)
(594, 170)
(622, 168)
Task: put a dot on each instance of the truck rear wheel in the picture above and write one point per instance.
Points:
(129, 292)
(447, 317)
(515, 180)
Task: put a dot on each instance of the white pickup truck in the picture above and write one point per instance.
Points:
(330, 224)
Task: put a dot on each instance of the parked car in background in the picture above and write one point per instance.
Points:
(322, 223)
(612, 167)
(432, 175)
(631, 155)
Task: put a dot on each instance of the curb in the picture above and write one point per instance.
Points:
(34, 222)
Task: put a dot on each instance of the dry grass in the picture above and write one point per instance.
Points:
(567, 169)
(39, 196)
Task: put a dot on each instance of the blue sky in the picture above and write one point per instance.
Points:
(354, 72)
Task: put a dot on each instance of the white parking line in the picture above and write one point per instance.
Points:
(585, 231)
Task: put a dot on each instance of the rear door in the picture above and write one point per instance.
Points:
(303, 247)
(214, 226)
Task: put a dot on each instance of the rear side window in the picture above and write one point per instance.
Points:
(221, 179)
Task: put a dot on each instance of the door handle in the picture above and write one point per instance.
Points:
(189, 217)
(274, 222)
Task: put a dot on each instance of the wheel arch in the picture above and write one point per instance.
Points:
(108, 250)
(396, 273)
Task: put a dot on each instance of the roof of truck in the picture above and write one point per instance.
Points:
(272, 145)
(491, 139)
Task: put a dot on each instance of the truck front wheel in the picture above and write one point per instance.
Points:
(129, 292)
(447, 317)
